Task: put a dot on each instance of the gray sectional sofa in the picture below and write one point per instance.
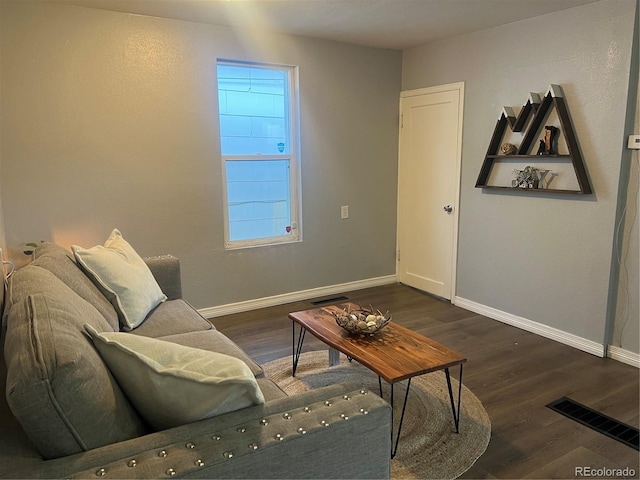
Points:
(63, 414)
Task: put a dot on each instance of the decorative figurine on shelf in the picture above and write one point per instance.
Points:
(527, 178)
(508, 149)
(549, 146)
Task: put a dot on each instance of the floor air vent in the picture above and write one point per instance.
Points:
(325, 301)
(597, 421)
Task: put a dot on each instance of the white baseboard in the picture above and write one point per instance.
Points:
(624, 356)
(211, 312)
(546, 331)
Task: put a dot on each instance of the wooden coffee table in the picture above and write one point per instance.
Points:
(394, 354)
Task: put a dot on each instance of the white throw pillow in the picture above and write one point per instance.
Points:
(170, 384)
(124, 277)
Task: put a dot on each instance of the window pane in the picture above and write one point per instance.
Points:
(259, 199)
(254, 110)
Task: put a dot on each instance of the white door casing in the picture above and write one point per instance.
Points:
(430, 154)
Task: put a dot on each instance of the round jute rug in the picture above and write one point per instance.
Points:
(429, 447)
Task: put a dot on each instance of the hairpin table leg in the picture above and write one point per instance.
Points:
(456, 411)
(404, 407)
(297, 350)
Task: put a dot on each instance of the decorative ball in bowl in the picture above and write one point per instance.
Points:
(362, 321)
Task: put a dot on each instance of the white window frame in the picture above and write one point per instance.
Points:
(294, 165)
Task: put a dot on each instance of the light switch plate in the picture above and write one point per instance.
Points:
(634, 142)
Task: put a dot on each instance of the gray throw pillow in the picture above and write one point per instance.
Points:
(171, 384)
(124, 277)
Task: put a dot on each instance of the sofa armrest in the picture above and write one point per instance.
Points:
(332, 432)
(166, 271)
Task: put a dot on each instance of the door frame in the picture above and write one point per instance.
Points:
(459, 87)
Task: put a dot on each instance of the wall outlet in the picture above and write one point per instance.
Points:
(634, 142)
(344, 211)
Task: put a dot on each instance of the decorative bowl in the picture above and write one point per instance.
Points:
(362, 321)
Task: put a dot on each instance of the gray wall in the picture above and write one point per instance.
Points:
(545, 258)
(110, 120)
(627, 253)
(626, 259)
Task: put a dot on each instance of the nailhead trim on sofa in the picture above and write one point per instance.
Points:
(184, 458)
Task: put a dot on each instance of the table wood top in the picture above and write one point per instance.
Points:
(395, 353)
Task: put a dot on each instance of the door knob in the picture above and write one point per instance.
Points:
(448, 208)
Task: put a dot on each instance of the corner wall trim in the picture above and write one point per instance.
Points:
(546, 331)
(624, 356)
(228, 309)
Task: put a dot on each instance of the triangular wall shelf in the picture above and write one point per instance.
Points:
(540, 111)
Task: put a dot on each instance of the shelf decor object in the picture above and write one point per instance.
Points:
(548, 144)
(527, 178)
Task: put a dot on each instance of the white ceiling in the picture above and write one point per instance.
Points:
(396, 24)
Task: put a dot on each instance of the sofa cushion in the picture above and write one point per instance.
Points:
(124, 277)
(215, 341)
(166, 271)
(58, 387)
(270, 390)
(172, 317)
(61, 262)
(171, 384)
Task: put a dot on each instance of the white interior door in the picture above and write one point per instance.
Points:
(429, 186)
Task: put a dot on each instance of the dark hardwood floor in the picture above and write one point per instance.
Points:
(514, 373)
